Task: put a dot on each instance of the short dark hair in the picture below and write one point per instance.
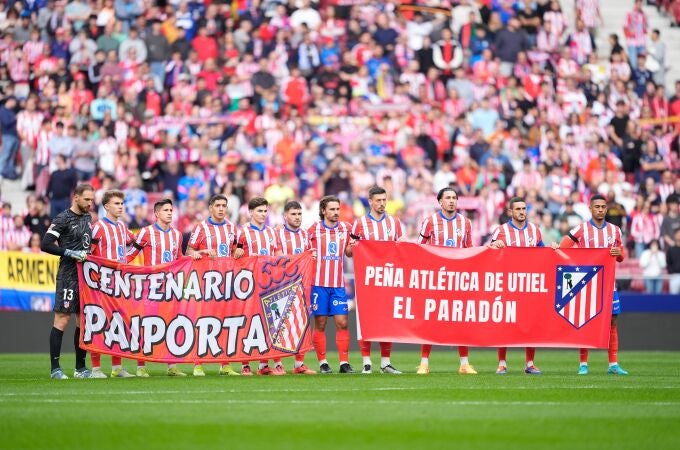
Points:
(161, 203)
(514, 200)
(292, 204)
(597, 197)
(376, 190)
(217, 197)
(256, 202)
(325, 201)
(82, 188)
(442, 191)
(108, 195)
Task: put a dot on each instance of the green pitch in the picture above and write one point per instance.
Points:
(556, 410)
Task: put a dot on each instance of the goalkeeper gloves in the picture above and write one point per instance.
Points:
(79, 255)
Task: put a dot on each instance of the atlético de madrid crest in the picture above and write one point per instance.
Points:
(287, 316)
(579, 293)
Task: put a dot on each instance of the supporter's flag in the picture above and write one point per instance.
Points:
(287, 318)
(578, 293)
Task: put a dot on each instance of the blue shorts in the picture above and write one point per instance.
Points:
(616, 304)
(328, 301)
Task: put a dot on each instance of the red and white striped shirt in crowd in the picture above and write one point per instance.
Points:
(588, 235)
(330, 244)
(28, 126)
(635, 28)
(15, 238)
(369, 228)
(558, 21)
(220, 237)
(589, 11)
(6, 226)
(42, 149)
(32, 50)
(665, 190)
(158, 246)
(111, 239)
(438, 230)
(511, 236)
(258, 241)
(645, 227)
(292, 242)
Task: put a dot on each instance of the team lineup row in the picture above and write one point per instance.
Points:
(328, 240)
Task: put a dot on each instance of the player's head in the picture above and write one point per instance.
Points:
(258, 207)
(217, 206)
(113, 202)
(83, 197)
(598, 207)
(517, 208)
(162, 209)
(377, 200)
(448, 200)
(329, 209)
(292, 214)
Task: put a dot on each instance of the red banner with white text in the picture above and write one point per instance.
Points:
(514, 297)
(210, 310)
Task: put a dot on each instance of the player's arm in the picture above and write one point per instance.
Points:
(468, 234)
(498, 238)
(354, 237)
(49, 241)
(239, 244)
(425, 232)
(539, 238)
(196, 247)
(617, 250)
(137, 245)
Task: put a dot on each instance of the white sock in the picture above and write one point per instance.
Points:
(279, 364)
(140, 367)
(584, 364)
(425, 361)
(172, 366)
(95, 368)
(343, 362)
(367, 360)
(464, 360)
(502, 363)
(385, 361)
(299, 364)
(613, 364)
(530, 363)
(116, 368)
(323, 361)
(263, 365)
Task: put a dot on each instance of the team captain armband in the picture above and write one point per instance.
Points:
(571, 236)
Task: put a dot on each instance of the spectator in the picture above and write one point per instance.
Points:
(10, 139)
(62, 183)
(635, 30)
(673, 264)
(510, 41)
(653, 262)
(37, 220)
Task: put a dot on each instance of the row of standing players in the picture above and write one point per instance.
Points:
(328, 239)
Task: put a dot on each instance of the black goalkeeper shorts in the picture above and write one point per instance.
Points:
(67, 297)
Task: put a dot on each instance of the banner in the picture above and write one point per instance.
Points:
(208, 310)
(27, 281)
(514, 297)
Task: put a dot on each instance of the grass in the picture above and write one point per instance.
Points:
(557, 410)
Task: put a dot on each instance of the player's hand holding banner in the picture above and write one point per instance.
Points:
(514, 297)
(207, 310)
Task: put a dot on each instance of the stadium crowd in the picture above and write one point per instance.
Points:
(301, 99)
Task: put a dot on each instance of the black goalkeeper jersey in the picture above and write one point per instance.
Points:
(73, 232)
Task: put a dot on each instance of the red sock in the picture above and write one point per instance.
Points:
(342, 342)
(300, 357)
(425, 350)
(116, 360)
(463, 352)
(319, 341)
(277, 361)
(530, 353)
(502, 353)
(365, 347)
(96, 359)
(583, 353)
(264, 361)
(141, 363)
(613, 344)
(385, 349)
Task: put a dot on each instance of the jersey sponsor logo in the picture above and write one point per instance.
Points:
(87, 241)
(120, 251)
(578, 293)
(222, 250)
(264, 251)
(450, 243)
(167, 256)
(297, 251)
(332, 248)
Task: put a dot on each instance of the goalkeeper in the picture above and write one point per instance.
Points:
(71, 229)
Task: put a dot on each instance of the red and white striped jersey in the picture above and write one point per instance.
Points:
(221, 237)
(511, 236)
(6, 227)
(258, 241)
(159, 246)
(14, 238)
(454, 232)
(330, 244)
(291, 242)
(28, 126)
(644, 228)
(42, 148)
(386, 229)
(588, 235)
(111, 239)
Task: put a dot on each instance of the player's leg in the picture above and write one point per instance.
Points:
(339, 310)
(613, 350)
(81, 370)
(173, 371)
(465, 366)
(278, 367)
(56, 336)
(320, 312)
(141, 369)
(583, 361)
(530, 368)
(424, 366)
(365, 347)
(264, 368)
(502, 361)
(385, 361)
(117, 369)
